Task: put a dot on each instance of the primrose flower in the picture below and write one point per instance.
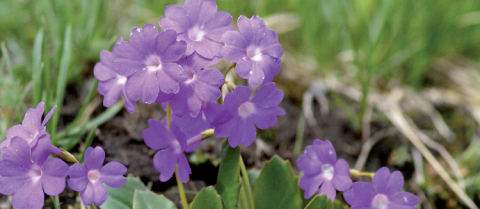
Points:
(255, 49)
(199, 24)
(240, 114)
(202, 85)
(322, 171)
(32, 128)
(90, 180)
(111, 84)
(381, 192)
(148, 59)
(23, 173)
(171, 145)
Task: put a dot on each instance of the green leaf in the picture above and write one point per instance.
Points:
(320, 202)
(228, 182)
(207, 198)
(277, 186)
(305, 201)
(122, 198)
(252, 175)
(150, 200)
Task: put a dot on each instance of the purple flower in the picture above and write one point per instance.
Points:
(90, 180)
(23, 173)
(202, 85)
(199, 24)
(148, 61)
(255, 50)
(32, 128)
(111, 83)
(240, 114)
(381, 192)
(171, 145)
(322, 171)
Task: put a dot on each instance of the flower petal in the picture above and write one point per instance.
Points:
(175, 19)
(165, 162)
(94, 158)
(157, 136)
(168, 48)
(54, 172)
(328, 189)
(29, 196)
(266, 117)
(387, 183)
(268, 96)
(311, 184)
(360, 194)
(184, 170)
(112, 174)
(218, 25)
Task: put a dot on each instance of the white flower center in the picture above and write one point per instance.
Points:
(153, 63)
(246, 109)
(380, 201)
(93, 176)
(121, 79)
(327, 171)
(36, 173)
(255, 54)
(196, 33)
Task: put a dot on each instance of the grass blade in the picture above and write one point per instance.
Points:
(36, 67)
(61, 82)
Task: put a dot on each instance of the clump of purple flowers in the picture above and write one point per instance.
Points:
(27, 172)
(174, 66)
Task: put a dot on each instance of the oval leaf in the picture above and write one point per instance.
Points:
(277, 186)
(207, 198)
(150, 200)
(320, 202)
(122, 198)
(228, 181)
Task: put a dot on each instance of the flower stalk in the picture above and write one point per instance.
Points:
(246, 182)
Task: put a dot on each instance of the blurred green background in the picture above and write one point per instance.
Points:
(47, 45)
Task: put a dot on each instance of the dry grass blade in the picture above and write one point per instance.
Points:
(367, 146)
(393, 113)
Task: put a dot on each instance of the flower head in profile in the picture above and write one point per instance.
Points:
(240, 113)
(172, 146)
(90, 180)
(380, 194)
(32, 128)
(199, 24)
(28, 173)
(322, 171)
(148, 59)
(255, 49)
(111, 84)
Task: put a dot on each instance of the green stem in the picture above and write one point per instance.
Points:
(243, 199)
(228, 69)
(92, 206)
(246, 182)
(357, 173)
(181, 191)
(179, 183)
(169, 115)
(56, 201)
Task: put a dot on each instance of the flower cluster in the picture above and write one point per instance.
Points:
(323, 172)
(173, 67)
(26, 171)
